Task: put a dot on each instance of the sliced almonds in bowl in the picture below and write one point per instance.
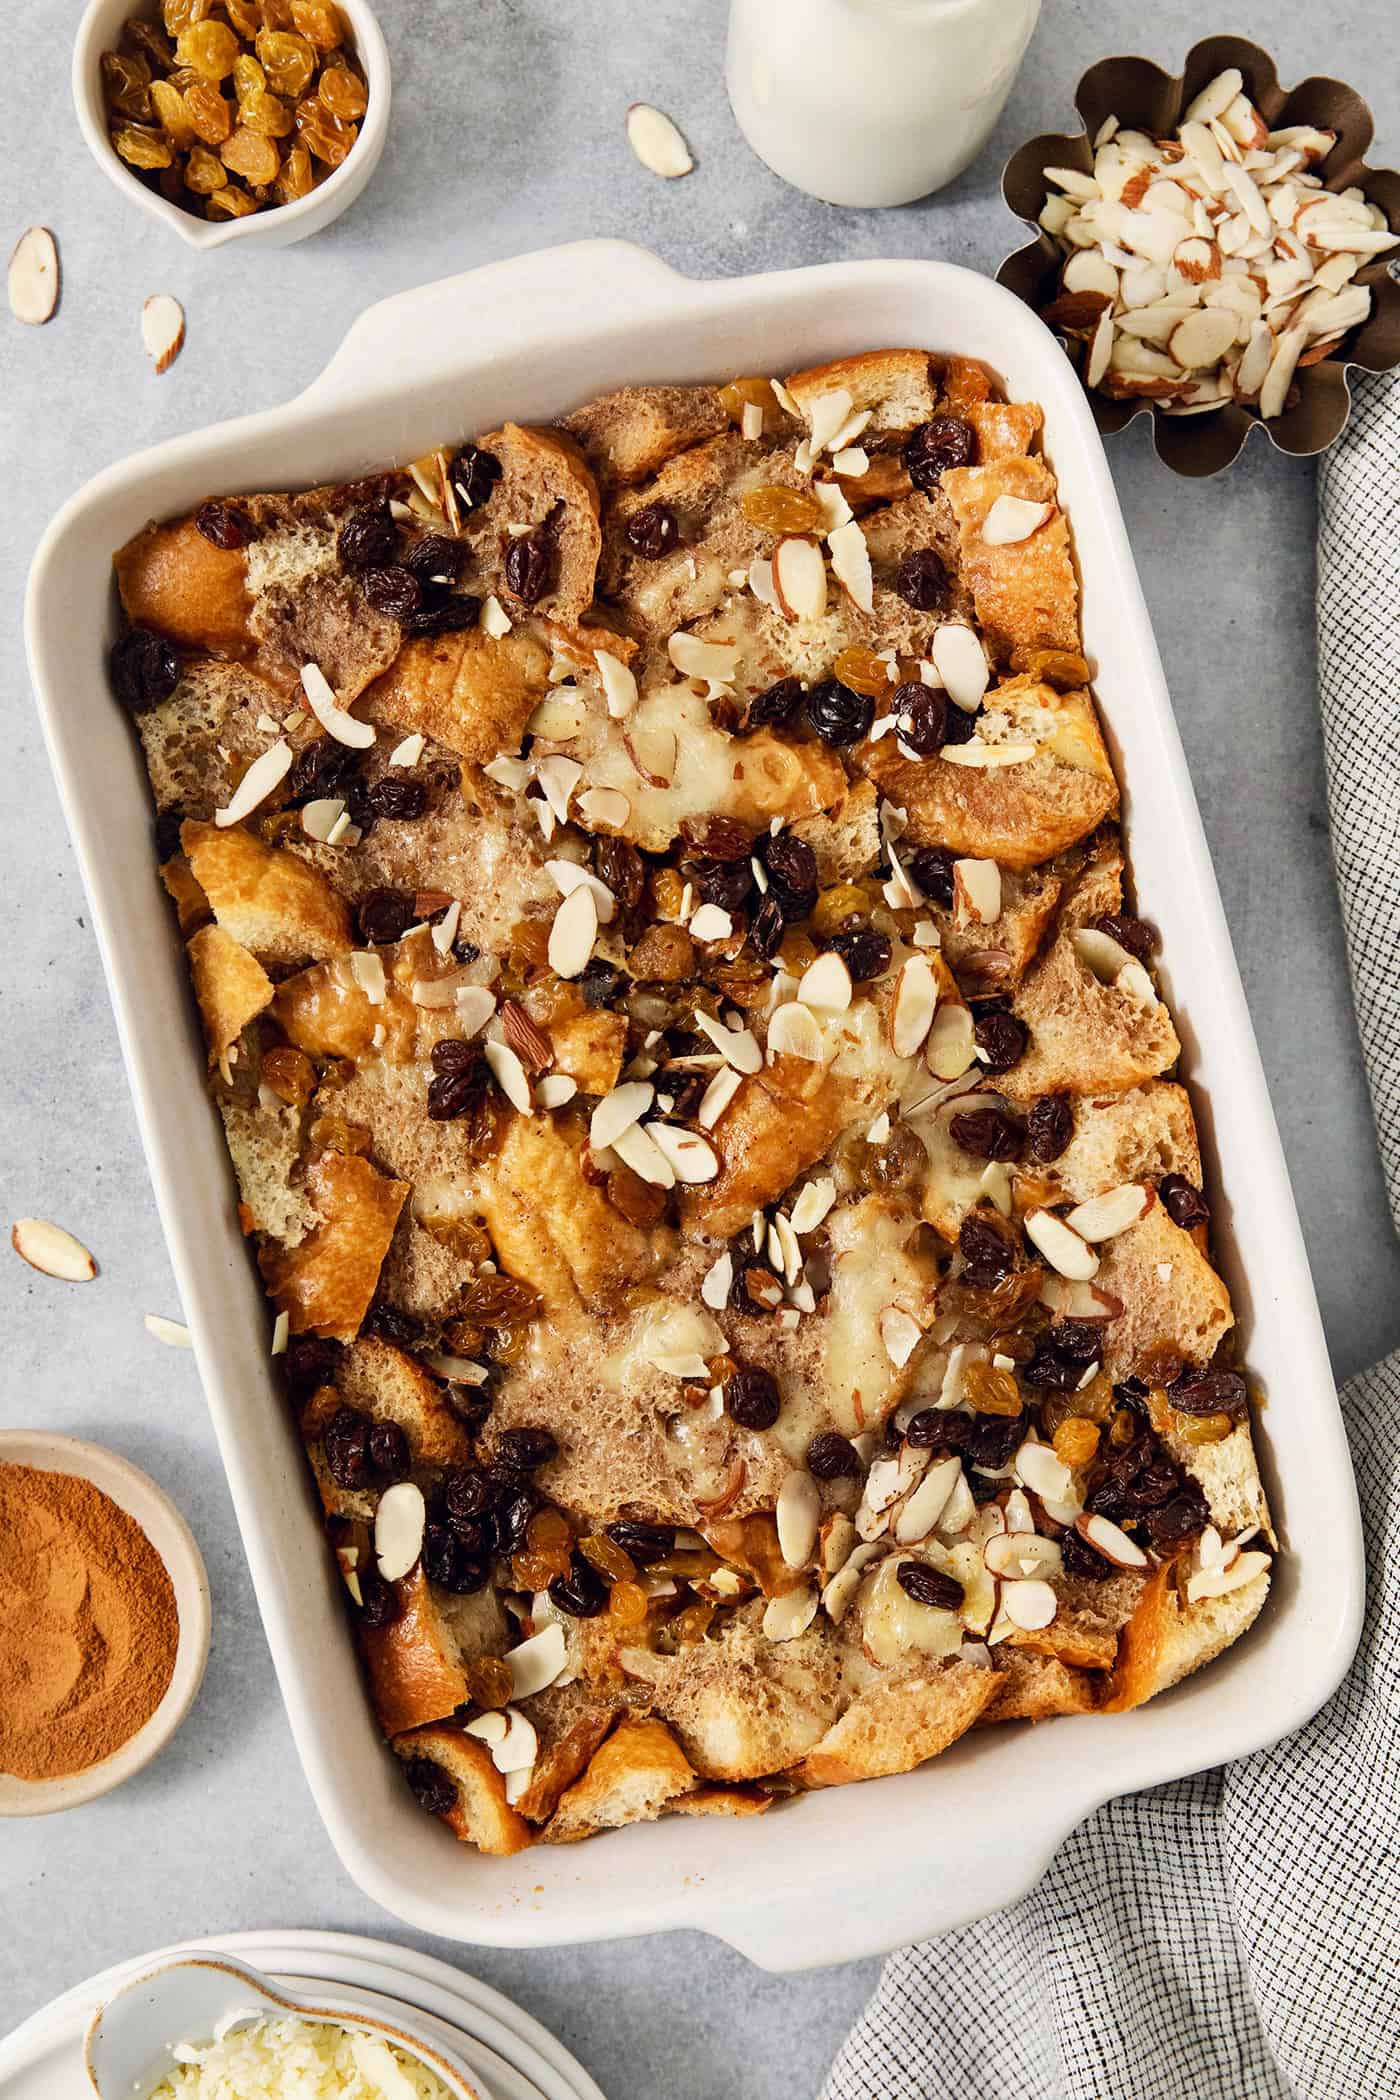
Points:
(1212, 248)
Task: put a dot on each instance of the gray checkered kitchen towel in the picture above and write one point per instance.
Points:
(1232, 1936)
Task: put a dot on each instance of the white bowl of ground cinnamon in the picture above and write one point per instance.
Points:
(104, 1621)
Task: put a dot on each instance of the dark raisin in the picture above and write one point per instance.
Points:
(929, 1586)
(1050, 1370)
(938, 1429)
(1001, 1038)
(450, 615)
(599, 983)
(309, 1362)
(394, 590)
(1130, 932)
(988, 1249)
(346, 1445)
(145, 670)
(717, 838)
(752, 1398)
(385, 1323)
(455, 1090)
(922, 714)
(723, 882)
(379, 1604)
(832, 1456)
(838, 714)
(384, 915)
(1184, 1517)
(932, 869)
(864, 951)
(991, 1440)
(653, 531)
(447, 1562)
(511, 1515)
(369, 537)
(168, 826)
(1082, 1558)
(775, 705)
(942, 442)
(961, 727)
(466, 1495)
(524, 1450)
(224, 525)
(453, 1054)
(987, 1134)
(922, 581)
(768, 926)
(621, 867)
(435, 560)
(646, 1543)
(388, 1452)
(582, 1593)
(402, 800)
(473, 474)
(792, 871)
(529, 567)
(324, 768)
(433, 1789)
(1209, 1393)
(1184, 1205)
(1080, 1340)
(1049, 1128)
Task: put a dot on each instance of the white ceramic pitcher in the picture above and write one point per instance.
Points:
(873, 101)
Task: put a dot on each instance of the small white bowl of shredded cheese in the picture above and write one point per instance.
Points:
(211, 2028)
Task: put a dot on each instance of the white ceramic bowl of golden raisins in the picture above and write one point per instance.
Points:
(234, 120)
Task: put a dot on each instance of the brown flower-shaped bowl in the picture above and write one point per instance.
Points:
(1145, 98)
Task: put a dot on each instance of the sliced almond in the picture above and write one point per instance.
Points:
(737, 1046)
(570, 875)
(951, 1046)
(1100, 349)
(604, 808)
(690, 1157)
(715, 1288)
(536, 1663)
(829, 413)
(840, 1592)
(977, 890)
(657, 142)
(173, 1333)
(1043, 1471)
(398, 1529)
(33, 277)
(558, 776)
(574, 933)
(717, 1097)
(789, 1616)
(618, 1111)
(850, 564)
(799, 578)
(1100, 953)
(1108, 1539)
(558, 718)
(1202, 338)
(555, 1090)
(333, 718)
(52, 1251)
(489, 1727)
(509, 1073)
(475, 1004)
(793, 1032)
(912, 1007)
(519, 1748)
(1072, 1300)
(1219, 1582)
(797, 1514)
(961, 663)
(1088, 270)
(618, 682)
(813, 1204)
(1022, 1555)
(1012, 519)
(900, 1334)
(1065, 1251)
(1029, 1605)
(267, 769)
(825, 985)
(923, 1508)
(638, 1149)
(1273, 394)
(162, 329)
(975, 753)
(1104, 1217)
(694, 658)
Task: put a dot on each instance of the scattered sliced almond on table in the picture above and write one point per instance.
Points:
(33, 277)
(52, 1251)
(657, 142)
(162, 329)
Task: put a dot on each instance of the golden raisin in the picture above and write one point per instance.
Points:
(1202, 1429)
(796, 950)
(333, 1133)
(665, 953)
(750, 392)
(667, 893)
(548, 1530)
(990, 1391)
(1123, 1428)
(507, 1344)
(287, 60)
(251, 155)
(179, 15)
(174, 119)
(210, 47)
(1076, 1440)
(265, 113)
(490, 1681)
(297, 176)
(465, 1238)
(640, 1202)
(290, 1073)
(328, 138)
(691, 1625)
(536, 1571)
(319, 22)
(781, 510)
(863, 671)
(627, 1603)
(208, 112)
(1062, 668)
(245, 15)
(343, 92)
(835, 907)
(248, 76)
(141, 148)
(205, 173)
(126, 85)
(608, 1557)
(499, 1301)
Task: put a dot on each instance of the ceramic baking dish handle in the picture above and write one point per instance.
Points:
(417, 337)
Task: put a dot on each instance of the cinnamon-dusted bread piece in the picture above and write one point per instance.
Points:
(639, 1771)
(1024, 590)
(1174, 1304)
(1005, 429)
(267, 899)
(480, 1815)
(1033, 1687)
(1086, 1036)
(326, 1282)
(893, 1727)
(1141, 1134)
(199, 741)
(893, 385)
(628, 435)
(231, 986)
(472, 692)
(743, 1707)
(1168, 1637)
(173, 579)
(548, 486)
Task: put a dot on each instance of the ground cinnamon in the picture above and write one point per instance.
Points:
(89, 1625)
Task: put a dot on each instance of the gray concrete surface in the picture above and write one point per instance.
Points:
(507, 135)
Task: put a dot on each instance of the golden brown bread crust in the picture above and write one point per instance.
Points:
(554, 1323)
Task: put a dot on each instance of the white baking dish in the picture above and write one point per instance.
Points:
(862, 1868)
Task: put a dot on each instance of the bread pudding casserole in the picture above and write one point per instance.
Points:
(699, 1093)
